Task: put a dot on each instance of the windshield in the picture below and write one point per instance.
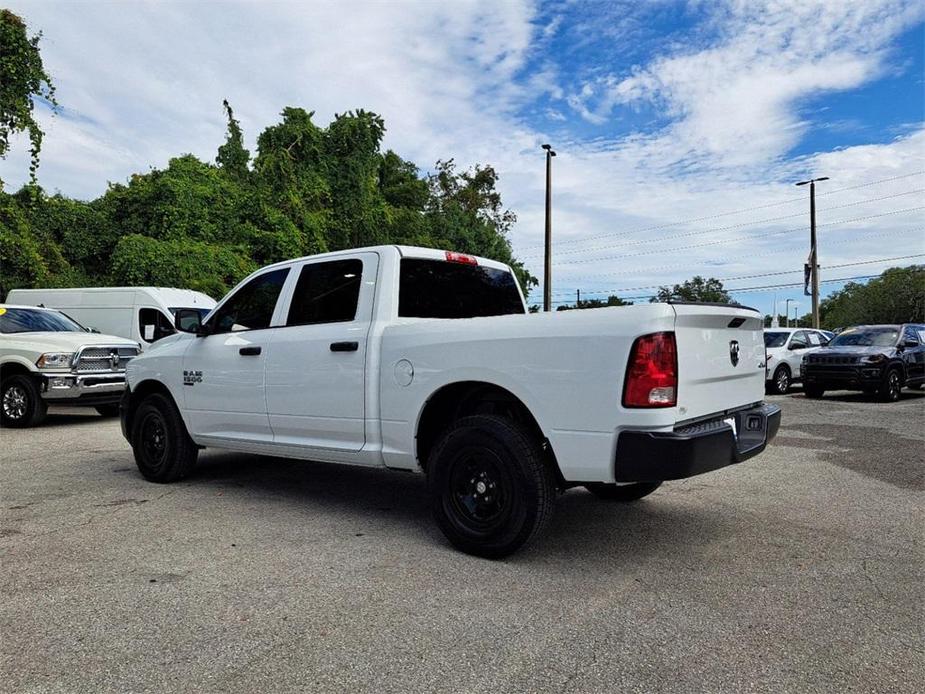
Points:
(866, 337)
(203, 312)
(28, 320)
(775, 339)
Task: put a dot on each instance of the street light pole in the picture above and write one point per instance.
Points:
(787, 314)
(547, 266)
(813, 250)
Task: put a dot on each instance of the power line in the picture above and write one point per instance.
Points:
(597, 277)
(714, 243)
(788, 201)
(714, 230)
(745, 290)
(748, 277)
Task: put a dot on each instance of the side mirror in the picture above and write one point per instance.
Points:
(92, 330)
(189, 320)
(910, 343)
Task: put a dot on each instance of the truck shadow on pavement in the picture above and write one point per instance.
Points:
(382, 502)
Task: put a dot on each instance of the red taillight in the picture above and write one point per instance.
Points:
(652, 373)
(461, 258)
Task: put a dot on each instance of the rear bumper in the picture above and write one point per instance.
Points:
(644, 456)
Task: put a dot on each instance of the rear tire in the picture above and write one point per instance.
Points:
(891, 386)
(164, 452)
(491, 486)
(780, 382)
(813, 392)
(108, 410)
(622, 492)
(21, 404)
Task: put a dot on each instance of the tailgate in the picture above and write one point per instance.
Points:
(720, 358)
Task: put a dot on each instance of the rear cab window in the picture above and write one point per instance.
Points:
(431, 288)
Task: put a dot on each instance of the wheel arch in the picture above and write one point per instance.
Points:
(14, 368)
(137, 396)
(460, 399)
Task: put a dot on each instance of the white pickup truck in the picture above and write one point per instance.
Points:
(47, 358)
(424, 360)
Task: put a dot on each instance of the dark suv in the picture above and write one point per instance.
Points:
(877, 359)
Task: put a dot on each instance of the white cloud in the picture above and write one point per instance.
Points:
(146, 83)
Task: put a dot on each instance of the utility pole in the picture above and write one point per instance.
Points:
(547, 266)
(577, 298)
(787, 314)
(813, 249)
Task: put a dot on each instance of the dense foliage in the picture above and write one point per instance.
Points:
(22, 80)
(897, 296)
(695, 289)
(611, 300)
(205, 226)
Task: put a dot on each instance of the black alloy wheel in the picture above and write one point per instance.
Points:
(891, 386)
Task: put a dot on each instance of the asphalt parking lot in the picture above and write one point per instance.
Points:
(798, 571)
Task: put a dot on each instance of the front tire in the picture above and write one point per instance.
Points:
(891, 386)
(622, 492)
(164, 452)
(490, 485)
(21, 404)
(780, 381)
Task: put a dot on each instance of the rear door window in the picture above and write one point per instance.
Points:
(443, 289)
(326, 293)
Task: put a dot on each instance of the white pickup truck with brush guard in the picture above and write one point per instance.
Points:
(423, 360)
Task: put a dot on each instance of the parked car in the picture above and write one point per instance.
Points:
(427, 361)
(48, 358)
(785, 349)
(141, 314)
(877, 359)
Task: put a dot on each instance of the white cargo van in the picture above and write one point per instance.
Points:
(143, 314)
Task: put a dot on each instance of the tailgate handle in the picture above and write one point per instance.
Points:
(345, 346)
(249, 351)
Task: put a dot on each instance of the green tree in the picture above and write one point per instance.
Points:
(23, 79)
(232, 156)
(695, 289)
(897, 296)
(204, 226)
(611, 300)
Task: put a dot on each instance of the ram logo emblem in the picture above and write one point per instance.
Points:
(734, 352)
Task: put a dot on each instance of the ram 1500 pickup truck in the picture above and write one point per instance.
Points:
(424, 360)
(47, 358)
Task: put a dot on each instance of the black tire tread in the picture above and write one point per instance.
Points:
(534, 464)
(185, 451)
(38, 408)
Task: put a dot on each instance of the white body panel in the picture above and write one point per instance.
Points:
(116, 310)
(790, 353)
(364, 407)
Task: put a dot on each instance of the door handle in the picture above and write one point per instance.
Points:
(249, 351)
(345, 346)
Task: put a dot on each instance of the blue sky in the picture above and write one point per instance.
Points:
(680, 126)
